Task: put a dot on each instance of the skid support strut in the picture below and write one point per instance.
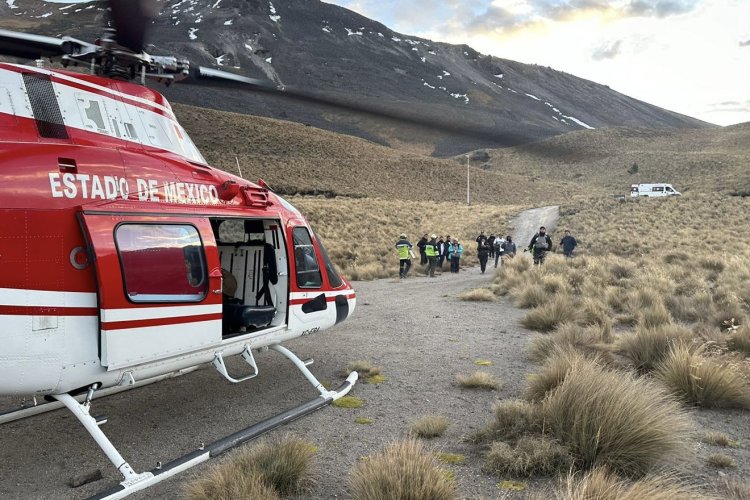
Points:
(134, 481)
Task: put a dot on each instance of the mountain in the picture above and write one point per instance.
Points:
(442, 99)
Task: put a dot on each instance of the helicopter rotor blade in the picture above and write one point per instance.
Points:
(132, 19)
(28, 46)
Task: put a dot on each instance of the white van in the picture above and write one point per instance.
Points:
(646, 190)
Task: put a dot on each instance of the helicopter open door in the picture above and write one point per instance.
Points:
(159, 286)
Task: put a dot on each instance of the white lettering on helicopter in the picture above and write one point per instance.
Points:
(112, 187)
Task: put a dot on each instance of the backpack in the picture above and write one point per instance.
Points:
(541, 242)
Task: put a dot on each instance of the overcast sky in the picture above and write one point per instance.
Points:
(689, 56)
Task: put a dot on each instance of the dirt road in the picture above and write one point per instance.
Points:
(417, 330)
(527, 223)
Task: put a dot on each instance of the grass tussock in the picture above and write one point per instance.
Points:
(403, 471)
(735, 489)
(479, 380)
(268, 470)
(614, 419)
(588, 340)
(514, 418)
(548, 316)
(531, 456)
(451, 458)
(478, 295)
(739, 340)
(601, 484)
(365, 369)
(557, 366)
(718, 439)
(648, 347)
(704, 381)
(720, 461)
(429, 426)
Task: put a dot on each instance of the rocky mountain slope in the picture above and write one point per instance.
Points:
(443, 99)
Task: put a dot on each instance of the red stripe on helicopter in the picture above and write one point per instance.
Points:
(48, 311)
(329, 298)
(143, 323)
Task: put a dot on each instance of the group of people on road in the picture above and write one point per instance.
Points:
(494, 246)
(434, 250)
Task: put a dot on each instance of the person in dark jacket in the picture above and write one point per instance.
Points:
(442, 251)
(540, 244)
(568, 244)
(404, 256)
(483, 252)
(509, 247)
(481, 237)
(491, 244)
(420, 244)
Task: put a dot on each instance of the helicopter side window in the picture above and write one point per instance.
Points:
(162, 262)
(333, 277)
(308, 270)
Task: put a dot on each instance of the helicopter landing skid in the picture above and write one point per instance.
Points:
(133, 481)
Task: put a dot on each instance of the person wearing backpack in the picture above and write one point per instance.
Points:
(540, 244)
(499, 245)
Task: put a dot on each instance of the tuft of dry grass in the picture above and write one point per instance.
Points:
(614, 419)
(478, 295)
(587, 340)
(478, 380)
(718, 439)
(720, 461)
(403, 471)
(514, 418)
(532, 456)
(365, 369)
(735, 489)
(739, 340)
(557, 366)
(429, 426)
(601, 484)
(548, 316)
(703, 381)
(531, 295)
(648, 347)
(268, 470)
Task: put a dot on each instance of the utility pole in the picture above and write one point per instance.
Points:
(468, 199)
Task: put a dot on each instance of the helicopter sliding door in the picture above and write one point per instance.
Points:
(159, 286)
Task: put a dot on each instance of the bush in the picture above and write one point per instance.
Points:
(532, 456)
(566, 336)
(266, 471)
(611, 418)
(514, 418)
(601, 484)
(478, 295)
(702, 381)
(403, 471)
(429, 426)
(720, 461)
(647, 347)
(739, 340)
(530, 295)
(548, 316)
(553, 372)
(478, 380)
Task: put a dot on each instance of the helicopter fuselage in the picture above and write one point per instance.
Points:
(117, 243)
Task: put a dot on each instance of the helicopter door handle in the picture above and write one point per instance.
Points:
(217, 292)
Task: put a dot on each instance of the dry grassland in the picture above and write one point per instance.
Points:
(360, 234)
(296, 159)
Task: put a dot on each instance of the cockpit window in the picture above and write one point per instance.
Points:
(333, 277)
(305, 259)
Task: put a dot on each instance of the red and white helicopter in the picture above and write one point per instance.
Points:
(124, 257)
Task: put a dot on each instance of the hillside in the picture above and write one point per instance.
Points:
(296, 159)
(442, 99)
(713, 160)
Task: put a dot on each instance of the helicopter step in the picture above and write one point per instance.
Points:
(133, 481)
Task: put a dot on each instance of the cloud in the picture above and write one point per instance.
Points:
(746, 43)
(660, 8)
(607, 51)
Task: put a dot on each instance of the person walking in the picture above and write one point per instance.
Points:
(481, 237)
(404, 256)
(441, 252)
(431, 250)
(568, 244)
(540, 244)
(509, 247)
(458, 249)
(491, 244)
(499, 248)
(420, 244)
(483, 252)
